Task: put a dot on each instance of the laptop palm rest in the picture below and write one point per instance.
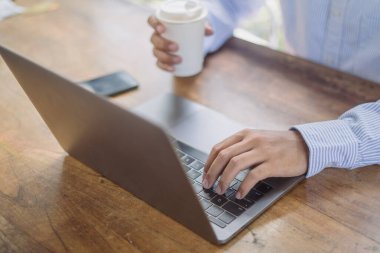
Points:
(189, 122)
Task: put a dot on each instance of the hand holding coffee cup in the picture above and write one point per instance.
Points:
(178, 37)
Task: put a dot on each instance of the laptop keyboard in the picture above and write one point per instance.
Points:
(221, 209)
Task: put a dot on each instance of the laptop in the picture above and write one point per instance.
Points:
(155, 151)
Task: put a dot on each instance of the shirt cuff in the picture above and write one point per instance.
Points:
(331, 144)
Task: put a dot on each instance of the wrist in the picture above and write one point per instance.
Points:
(330, 144)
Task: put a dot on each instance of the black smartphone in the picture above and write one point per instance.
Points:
(112, 84)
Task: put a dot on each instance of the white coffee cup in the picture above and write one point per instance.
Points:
(185, 24)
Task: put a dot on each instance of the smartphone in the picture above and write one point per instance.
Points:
(112, 84)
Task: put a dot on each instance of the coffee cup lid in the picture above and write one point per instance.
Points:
(181, 10)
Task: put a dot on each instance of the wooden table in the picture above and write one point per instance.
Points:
(49, 202)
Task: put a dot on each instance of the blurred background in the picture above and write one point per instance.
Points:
(264, 28)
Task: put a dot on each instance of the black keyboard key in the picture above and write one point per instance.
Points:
(214, 210)
(216, 183)
(207, 194)
(197, 187)
(229, 192)
(233, 208)
(236, 186)
(233, 182)
(197, 165)
(187, 160)
(254, 195)
(205, 204)
(219, 200)
(180, 153)
(263, 187)
(226, 217)
(186, 168)
(217, 222)
(193, 174)
(214, 186)
(241, 175)
(246, 203)
(199, 179)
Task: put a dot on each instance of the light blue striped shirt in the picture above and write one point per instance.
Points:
(342, 34)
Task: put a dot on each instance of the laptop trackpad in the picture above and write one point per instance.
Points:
(189, 122)
(205, 129)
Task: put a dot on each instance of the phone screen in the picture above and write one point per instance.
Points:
(112, 84)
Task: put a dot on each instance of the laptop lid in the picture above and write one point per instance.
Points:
(127, 149)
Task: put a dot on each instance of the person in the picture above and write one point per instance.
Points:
(339, 33)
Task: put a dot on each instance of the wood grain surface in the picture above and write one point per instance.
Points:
(49, 202)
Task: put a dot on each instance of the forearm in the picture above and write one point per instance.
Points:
(351, 141)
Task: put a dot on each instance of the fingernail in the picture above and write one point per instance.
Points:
(173, 47)
(177, 59)
(218, 190)
(238, 195)
(205, 183)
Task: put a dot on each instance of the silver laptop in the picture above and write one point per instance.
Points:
(156, 151)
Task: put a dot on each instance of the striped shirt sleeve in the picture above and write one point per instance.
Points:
(351, 141)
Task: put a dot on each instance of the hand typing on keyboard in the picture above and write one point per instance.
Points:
(268, 153)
